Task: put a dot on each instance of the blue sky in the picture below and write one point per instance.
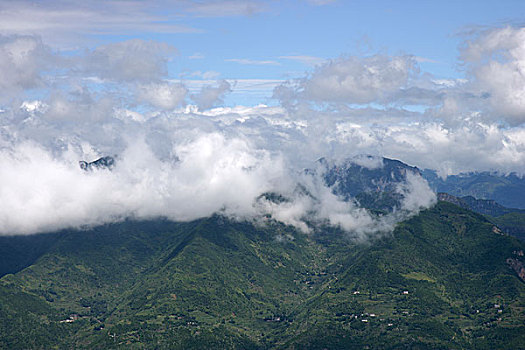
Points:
(271, 40)
(430, 30)
(427, 29)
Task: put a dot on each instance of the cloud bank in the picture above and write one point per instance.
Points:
(182, 156)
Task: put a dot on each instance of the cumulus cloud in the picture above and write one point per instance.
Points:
(22, 62)
(182, 165)
(470, 146)
(358, 80)
(183, 161)
(312, 204)
(209, 95)
(164, 96)
(134, 60)
(210, 174)
(205, 173)
(496, 61)
(416, 193)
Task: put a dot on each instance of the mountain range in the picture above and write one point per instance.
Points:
(506, 189)
(447, 278)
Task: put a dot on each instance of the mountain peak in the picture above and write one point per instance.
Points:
(106, 162)
(373, 181)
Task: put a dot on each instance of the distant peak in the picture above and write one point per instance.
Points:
(107, 162)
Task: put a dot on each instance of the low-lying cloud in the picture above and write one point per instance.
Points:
(209, 174)
(203, 175)
(184, 161)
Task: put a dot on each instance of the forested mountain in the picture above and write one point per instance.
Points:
(443, 279)
(510, 220)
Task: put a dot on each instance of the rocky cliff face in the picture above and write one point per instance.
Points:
(107, 162)
(518, 267)
(445, 197)
(372, 181)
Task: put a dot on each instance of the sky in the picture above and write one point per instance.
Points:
(207, 104)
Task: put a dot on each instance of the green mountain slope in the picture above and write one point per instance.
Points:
(19, 252)
(509, 220)
(452, 268)
(513, 223)
(438, 281)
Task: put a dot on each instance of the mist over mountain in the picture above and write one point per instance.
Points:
(350, 257)
(444, 278)
(184, 156)
(226, 174)
(106, 162)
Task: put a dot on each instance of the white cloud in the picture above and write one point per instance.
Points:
(304, 59)
(226, 8)
(196, 56)
(247, 61)
(496, 60)
(134, 60)
(181, 165)
(417, 195)
(211, 173)
(314, 203)
(184, 162)
(164, 96)
(63, 22)
(211, 95)
(22, 61)
(358, 80)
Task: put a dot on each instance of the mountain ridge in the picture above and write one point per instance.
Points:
(444, 278)
(220, 283)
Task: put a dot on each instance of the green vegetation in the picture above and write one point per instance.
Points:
(509, 220)
(511, 223)
(440, 280)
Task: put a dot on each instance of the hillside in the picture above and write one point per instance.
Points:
(438, 281)
(509, 220)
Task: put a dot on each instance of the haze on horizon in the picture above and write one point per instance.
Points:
(208, 104)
